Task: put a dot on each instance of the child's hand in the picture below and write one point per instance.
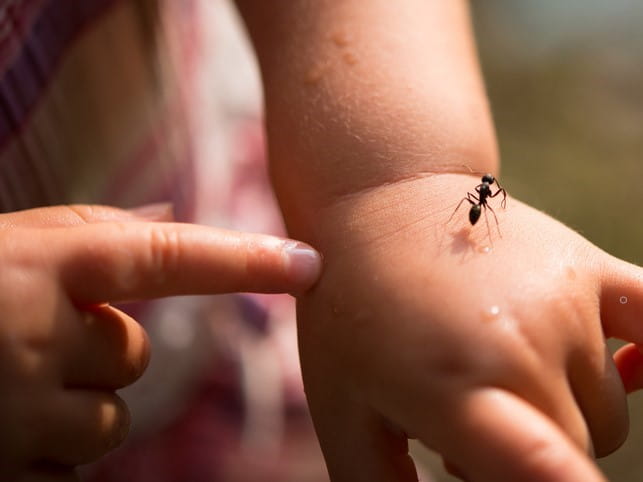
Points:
(64, 351)
(490, 351)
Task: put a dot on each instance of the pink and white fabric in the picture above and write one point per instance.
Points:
(127, 102)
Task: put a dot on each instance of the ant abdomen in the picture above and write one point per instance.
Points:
(474, 214)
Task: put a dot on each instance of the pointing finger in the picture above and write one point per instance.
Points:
(126, 261)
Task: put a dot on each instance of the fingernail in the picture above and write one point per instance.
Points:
(154, 212)
(304, 263)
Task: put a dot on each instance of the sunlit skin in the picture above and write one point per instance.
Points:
(64, 350)
(493, 356)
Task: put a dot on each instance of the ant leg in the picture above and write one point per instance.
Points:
(496, 218)
(503, 203)
(504, 194)
(486, 220)
(468, 199)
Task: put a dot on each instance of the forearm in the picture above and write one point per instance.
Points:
(358, 97)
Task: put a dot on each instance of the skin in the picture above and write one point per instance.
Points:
(495, 358)
(64, 350)
(464, 362)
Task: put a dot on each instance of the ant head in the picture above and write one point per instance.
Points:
(488, 178)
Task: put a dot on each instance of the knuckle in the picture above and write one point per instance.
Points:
(82, 212)
(91, 213)
(545, 460)
(263, 256)
(164, 252)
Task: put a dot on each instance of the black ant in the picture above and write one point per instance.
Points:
(480, 201)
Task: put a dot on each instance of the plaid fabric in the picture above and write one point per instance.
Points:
(127, 102)
(89, 105)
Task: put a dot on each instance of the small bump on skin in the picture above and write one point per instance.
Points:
(571, 274)
(491, 313)
(340, 39)
(316, 72)
(349, 58)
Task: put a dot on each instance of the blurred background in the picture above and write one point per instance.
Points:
(566, 86)
(565, 81)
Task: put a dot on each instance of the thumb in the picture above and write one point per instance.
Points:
(621, 300)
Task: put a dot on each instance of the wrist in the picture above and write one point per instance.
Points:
(315, 176)
(419, 207)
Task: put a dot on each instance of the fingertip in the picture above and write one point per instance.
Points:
(303, 265)
(622, 300)
(629, 362)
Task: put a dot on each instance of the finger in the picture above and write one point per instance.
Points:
(561, 407)
(79, 214)
(105, 349)
(629, 362)
(622, 301)
(127, 261)
(498, 436)
(82, 426)
(358, 445)
(599, 393)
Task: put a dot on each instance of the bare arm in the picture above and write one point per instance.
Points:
(413, 327)
(357, 97)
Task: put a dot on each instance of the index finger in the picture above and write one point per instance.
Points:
(110, 262)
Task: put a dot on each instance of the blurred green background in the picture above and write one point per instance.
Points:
(565, 80)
